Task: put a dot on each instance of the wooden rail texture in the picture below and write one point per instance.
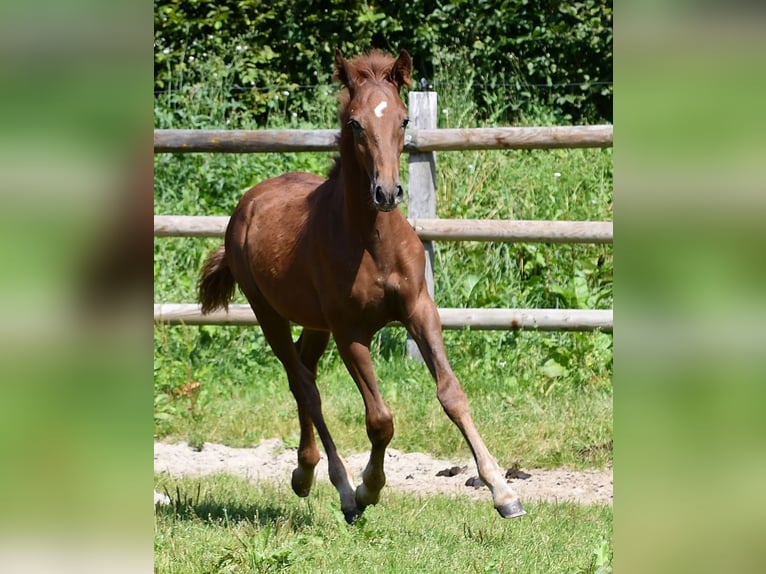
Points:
(427, 229)
(452, 318)
(416, 140)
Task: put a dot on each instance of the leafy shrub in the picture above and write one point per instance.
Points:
(510, 54)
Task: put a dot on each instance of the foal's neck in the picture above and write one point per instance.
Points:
(374, 230)
(362, 219)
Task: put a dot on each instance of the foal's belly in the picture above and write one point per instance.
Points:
(312, 296)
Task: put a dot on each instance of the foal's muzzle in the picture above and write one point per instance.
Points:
(387, 199)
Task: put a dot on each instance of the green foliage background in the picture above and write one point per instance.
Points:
(508, 53)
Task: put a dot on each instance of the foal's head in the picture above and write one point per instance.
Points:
(374, 117)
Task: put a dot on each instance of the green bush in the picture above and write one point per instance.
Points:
(508, 55)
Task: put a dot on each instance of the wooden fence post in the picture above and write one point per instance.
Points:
(422, 185)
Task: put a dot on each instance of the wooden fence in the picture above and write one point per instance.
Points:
(515, 230)
(421, 141)
(416, 140)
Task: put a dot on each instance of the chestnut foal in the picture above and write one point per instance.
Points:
(337, 257)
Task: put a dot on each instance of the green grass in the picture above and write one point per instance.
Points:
(224, 524)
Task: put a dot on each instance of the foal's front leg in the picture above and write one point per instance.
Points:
(424, 325)
(355, 352)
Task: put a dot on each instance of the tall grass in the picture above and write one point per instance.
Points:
(540, 398)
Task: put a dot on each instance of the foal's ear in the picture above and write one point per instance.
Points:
(401, 70)
(341, 69)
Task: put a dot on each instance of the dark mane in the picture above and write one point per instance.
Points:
(334, 172)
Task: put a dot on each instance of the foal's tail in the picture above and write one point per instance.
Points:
(216, 283)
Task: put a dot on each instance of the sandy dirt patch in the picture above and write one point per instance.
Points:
(414, 473)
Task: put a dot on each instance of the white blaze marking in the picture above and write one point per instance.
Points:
(379, 109)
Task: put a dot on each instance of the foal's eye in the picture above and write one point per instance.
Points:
(405, 122)
(355, 124)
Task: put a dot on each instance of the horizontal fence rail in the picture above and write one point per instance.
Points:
(427, 229)
(451, 318)
(244, 141)
(509, 138)
(416, 141)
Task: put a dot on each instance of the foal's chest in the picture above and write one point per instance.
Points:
(378, 297)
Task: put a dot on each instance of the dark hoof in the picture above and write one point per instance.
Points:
(298, 485)
(302, 492)
(363, 498)
(352, 516)
(511, 510)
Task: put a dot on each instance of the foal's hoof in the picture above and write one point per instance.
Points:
(511, 510)
(352, 516)
(364, 498)
(301, 486)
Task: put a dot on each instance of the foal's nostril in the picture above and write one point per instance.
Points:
(380, 197)
(399, 193)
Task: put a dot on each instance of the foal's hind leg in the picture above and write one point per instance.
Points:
(276, 329)
(425, 327)
(310, 346)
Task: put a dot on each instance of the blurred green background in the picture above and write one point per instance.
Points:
(690, 380)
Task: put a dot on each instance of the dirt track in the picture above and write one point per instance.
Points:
(405, 472)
